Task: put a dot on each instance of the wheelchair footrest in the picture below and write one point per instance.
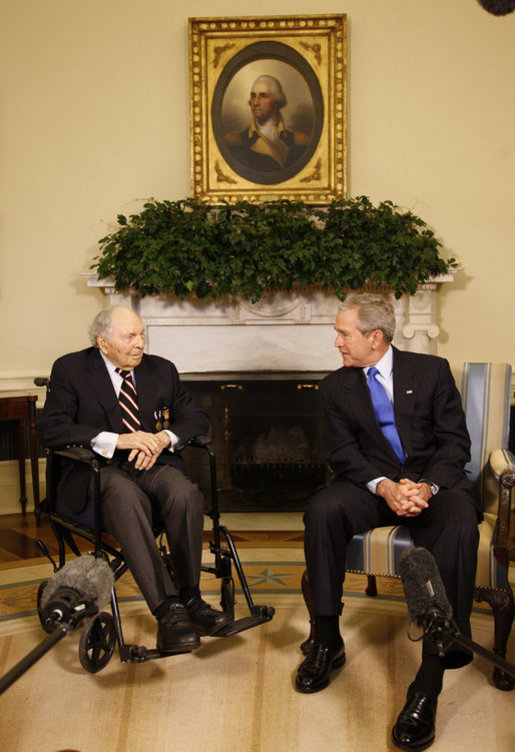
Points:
(259, 615)
(133, 653)
(140, 654)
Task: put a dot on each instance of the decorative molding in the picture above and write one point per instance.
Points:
(283, 331)
(12, 385)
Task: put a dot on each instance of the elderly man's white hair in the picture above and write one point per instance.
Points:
(103, 325)
(276, 90)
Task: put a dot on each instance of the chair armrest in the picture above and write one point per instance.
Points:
(501, 460)
(502, 533)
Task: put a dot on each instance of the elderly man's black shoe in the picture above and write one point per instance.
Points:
(175, 632)
(313, 673)
(206, 620)
(415, 727)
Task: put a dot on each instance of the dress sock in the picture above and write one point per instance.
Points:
(161, 610)
(328, 631)
(187, 593)
(429, 679)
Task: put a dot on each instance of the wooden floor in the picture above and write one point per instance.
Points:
(19, 533)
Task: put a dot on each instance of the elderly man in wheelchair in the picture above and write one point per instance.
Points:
(131, 409)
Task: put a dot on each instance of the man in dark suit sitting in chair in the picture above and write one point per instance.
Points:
(133, 412)
(397, 443)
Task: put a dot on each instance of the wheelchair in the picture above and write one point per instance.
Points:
(102, 632)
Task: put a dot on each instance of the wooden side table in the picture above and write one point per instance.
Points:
(21, 409)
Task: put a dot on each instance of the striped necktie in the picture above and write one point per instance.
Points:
(128, 400)
(383, 409)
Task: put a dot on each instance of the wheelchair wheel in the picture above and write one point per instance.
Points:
(41, 587)
(97, 642)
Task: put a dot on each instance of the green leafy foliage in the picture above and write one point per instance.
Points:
(188, 247)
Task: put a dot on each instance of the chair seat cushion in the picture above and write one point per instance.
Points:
(86, 517)
(377, 552)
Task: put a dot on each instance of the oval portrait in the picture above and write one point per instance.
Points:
(267, 112)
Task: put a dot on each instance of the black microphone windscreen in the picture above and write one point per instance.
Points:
(423, 586)
(498, 7)
(92, 578)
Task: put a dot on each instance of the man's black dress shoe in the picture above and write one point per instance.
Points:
(313, 672)
(175, 632)
(206, 620)
(415, 727)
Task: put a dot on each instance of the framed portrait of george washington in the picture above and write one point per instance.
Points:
(268, 108)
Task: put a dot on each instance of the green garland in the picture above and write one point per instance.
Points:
(188, 247)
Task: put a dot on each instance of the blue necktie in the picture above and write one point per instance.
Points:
(383, 409)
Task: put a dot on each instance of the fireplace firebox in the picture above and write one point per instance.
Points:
(267, 437)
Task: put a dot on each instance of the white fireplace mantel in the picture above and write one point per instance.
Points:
(281, 332)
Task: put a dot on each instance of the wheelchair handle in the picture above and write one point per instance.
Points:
(201, 441)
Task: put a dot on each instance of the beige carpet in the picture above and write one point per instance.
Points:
(237, 694)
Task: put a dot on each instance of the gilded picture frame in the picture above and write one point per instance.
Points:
(237, 151)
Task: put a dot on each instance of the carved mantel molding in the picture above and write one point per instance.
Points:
(281, 332)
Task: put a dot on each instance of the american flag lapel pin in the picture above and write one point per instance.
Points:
(409, 391)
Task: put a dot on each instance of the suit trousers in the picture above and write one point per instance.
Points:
(448, 528)
(131, 501)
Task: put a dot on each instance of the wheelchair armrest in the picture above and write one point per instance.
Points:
(201, 441)
(78, 454)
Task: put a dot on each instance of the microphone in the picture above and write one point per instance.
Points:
(430, 609)
(423, 586)
(81, 588)
(498, 7)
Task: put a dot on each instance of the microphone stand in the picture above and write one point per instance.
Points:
(61, 629)
(444, 631)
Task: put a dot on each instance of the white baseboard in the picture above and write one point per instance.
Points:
(10, 486)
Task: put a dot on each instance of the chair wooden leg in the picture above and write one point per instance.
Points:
(306, 592)
(502, 605)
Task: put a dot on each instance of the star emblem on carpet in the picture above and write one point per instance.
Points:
(268, 576)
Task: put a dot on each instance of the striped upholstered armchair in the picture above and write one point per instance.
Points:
(485, 390)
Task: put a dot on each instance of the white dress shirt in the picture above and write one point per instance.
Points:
(104, 443)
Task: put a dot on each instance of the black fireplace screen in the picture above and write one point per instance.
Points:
(267, 436)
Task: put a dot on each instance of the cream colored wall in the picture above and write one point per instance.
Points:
(95, 118)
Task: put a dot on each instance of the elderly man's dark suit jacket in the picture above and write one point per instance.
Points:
(82, 402)
(429, 417)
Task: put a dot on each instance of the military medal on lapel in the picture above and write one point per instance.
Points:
(162, 418)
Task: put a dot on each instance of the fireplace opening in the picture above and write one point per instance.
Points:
(267, 437)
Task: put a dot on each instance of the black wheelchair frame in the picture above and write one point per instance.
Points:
(101, 633)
